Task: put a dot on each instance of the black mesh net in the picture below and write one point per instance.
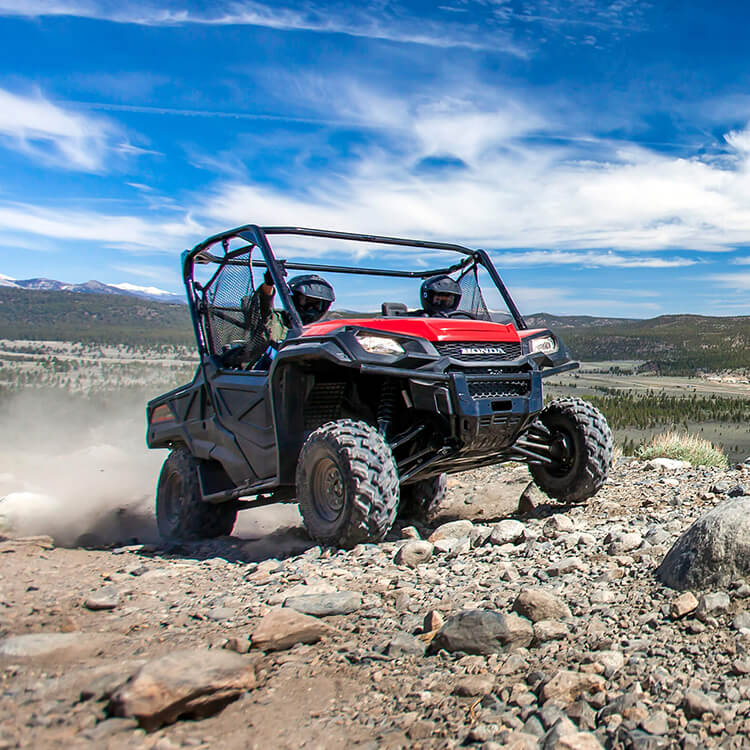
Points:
(228, 304)
(472, 300)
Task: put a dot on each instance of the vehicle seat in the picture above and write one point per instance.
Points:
(393, 309)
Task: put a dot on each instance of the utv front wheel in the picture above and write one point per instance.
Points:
(347, 484)
(181, 514)
(421, 500)
(579, 442)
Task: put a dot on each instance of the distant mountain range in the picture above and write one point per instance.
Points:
(92, 287)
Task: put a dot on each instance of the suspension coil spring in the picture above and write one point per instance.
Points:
(387, 405)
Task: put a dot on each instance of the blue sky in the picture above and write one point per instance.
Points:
(599, 150)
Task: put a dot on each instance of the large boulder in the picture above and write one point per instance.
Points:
(713, 552)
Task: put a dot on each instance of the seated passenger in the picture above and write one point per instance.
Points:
(440, 296)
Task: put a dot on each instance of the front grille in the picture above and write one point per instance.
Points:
(323, 404)
(486, 389)
(457, 350)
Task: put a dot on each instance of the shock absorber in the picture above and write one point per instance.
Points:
(386, 406)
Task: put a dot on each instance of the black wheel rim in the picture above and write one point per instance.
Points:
(562, 452)
(328, 492)
(174, 497)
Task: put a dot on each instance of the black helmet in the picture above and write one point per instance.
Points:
(440, 295)
(312, 297)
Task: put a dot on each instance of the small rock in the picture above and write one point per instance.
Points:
(538, 604)
(684, 604)
(482, 631)
(239, 644)
(577, 741)
(404, 644)
(696, 703)
(280, 629)
(556, 525)
(612, 661)
(324, 605)
(620, 544)
(433, 620)
(478, 684)
(409, 532)
(507, 531)
(712, 604)
(480, 535)
(106, 598)
(565, 686)
(220, 614)
(566, 565)
(452, 530)
(667, 464)
(741, 621)
(550, 630)
(413, 553)
(656, 723)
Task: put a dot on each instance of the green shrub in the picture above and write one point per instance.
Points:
(684, 447)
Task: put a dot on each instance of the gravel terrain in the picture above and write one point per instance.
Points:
(510, 622)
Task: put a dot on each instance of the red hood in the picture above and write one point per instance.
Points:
(432, 329)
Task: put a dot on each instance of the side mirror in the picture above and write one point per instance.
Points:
(393, 309)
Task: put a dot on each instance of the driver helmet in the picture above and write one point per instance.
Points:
(312, 296)
(440, 295)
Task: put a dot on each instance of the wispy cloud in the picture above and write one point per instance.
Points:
(51, 134)
(735, 281)
(378, 21)
(590, 259)
(59, 136)
(158, 233)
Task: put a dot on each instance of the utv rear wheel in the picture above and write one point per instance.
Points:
(421, 500)
(181, 514)
(580, 445)
(347, 484)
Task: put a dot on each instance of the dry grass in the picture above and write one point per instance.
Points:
(684, 447)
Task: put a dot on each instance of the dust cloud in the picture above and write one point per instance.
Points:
(77, 468)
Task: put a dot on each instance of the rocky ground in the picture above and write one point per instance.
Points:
(531, 626)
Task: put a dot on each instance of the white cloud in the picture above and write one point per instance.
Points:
(590, 259)
(506, 188)
(377, 22)
(736, 281)
(53, 135)
(158, 233)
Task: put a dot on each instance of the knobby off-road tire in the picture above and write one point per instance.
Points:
(181, 515)
(421, 501)
(347, 484)
(581, 441)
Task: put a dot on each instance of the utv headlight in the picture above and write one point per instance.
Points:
(379, 344)
(543, 344)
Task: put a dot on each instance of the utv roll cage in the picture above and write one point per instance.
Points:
(257, 237)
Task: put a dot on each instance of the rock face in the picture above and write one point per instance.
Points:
(195, 682)
(482, 631)
(713, 552)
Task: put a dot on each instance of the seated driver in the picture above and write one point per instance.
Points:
(440, 296)
(312, 296)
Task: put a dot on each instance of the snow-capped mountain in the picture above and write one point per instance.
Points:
(92, 287)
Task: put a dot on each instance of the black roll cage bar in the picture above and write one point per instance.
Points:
(256, 236)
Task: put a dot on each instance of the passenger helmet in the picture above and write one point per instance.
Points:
(312, 297)
(440, 295)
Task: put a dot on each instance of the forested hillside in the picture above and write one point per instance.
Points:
(91, 318)
(671, 344)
